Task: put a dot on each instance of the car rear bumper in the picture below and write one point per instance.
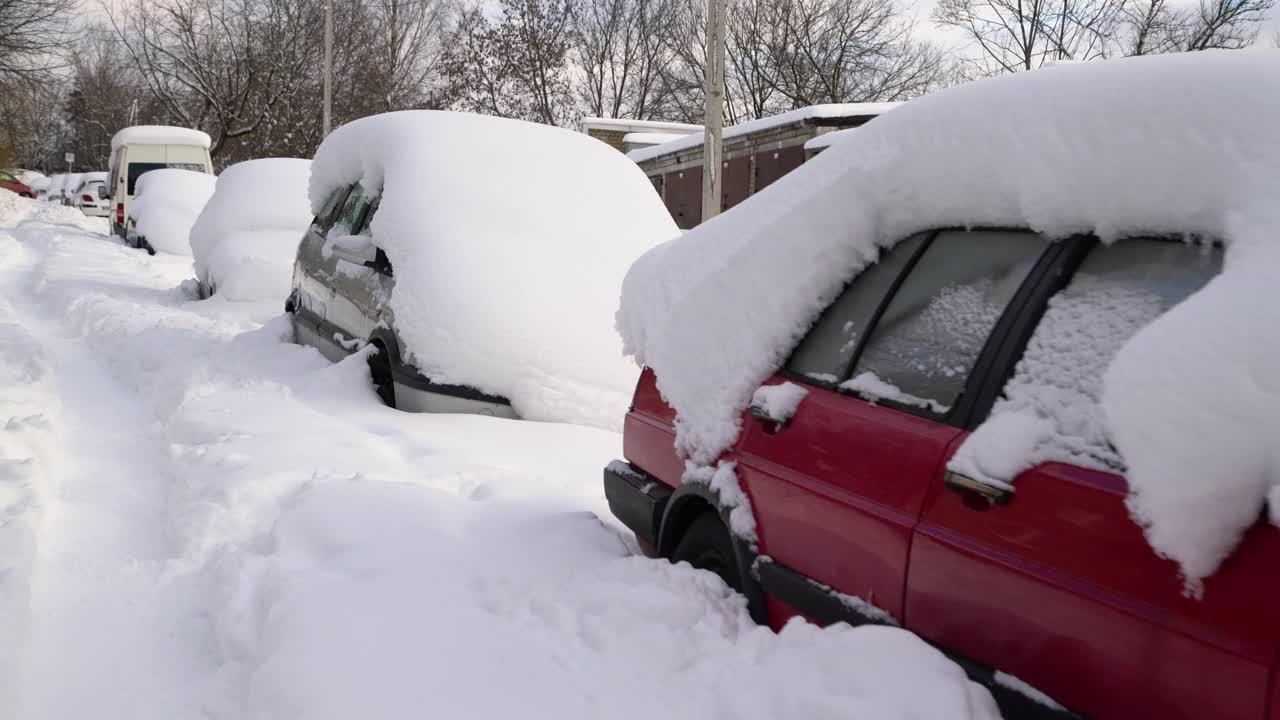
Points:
(637, 499)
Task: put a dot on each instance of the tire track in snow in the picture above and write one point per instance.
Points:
(107, 637)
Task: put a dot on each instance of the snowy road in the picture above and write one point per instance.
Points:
(199, 519)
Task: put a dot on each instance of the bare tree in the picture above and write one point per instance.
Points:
(1013, 35)
(514, 65)
(620, 52)
(33, 36)
(406, 41)
(1153, 26)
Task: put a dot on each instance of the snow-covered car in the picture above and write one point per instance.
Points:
(246, 239)
(164, 206)
(481, 258)
(90, 196)
(1005, 376)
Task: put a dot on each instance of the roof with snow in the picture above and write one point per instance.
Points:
(813, 113)
(627, 125)
(159, 135)
(1181, 144)
(652, 138)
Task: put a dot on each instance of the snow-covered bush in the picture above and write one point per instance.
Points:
(166, 204)
(509, 242)
(1180, 144)
(245, 240)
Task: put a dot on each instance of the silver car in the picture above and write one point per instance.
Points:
(342, 285)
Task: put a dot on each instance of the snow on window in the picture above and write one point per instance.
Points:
(869, 384)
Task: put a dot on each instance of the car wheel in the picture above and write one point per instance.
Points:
(706, 545)
(380, 372)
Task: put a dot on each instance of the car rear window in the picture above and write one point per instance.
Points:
(1116, 292)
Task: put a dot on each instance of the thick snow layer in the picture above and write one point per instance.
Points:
(827, 139)
(89, 177)
(812, 112)
(204, 520)
(159, 135)
(509, 242)
(723, 479)
(30, 178)
(166, 204)
(1176, 144)
(245, 240)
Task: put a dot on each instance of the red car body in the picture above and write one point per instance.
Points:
(1056, 586)
(12, 184)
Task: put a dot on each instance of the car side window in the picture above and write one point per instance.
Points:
(826, 351)
(926, 341)
(6, 177)
(351, 214)
(1116, 292)
(330, 209)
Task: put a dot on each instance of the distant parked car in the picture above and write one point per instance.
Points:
(245, 240)
(91, 195)
(143, 148)
(980, 370)
(10, 182)
(480, 257)
(167, 203)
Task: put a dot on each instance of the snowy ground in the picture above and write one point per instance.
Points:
(199, 519)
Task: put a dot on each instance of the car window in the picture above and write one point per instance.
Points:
(351, 214)
(925, 343)
(1117, 291)
(6, 177)
(825, 353)
(332, 205)
(365, 226)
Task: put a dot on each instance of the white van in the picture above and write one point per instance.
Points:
(135, 150)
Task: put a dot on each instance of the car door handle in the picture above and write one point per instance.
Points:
(771, 423)
(965, 485)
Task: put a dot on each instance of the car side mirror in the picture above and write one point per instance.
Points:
(355, 249)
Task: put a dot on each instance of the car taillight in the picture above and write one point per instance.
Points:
(120, 214)
(87, 198)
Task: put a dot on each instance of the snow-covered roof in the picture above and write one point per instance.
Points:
(166, 205)
(509, 242)
(825, 140)
(626, 125)
(804, 114)
(651, 138)
(97, 176)
(159, 135)
(1180, 144)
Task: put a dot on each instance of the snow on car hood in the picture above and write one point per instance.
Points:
(166, 205)
(509, 242)
(1177, 144)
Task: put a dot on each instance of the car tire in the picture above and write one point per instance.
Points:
(706, 545)
(380, 373)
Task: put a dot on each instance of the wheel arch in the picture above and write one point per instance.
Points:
(687, 503)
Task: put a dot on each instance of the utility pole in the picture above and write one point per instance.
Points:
(713, 148)
(328, 66)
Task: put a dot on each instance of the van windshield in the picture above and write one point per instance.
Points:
(137, 169)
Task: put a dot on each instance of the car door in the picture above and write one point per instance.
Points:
(1055, 584)
(838, 489)
(313, 277)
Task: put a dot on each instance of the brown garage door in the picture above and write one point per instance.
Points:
(773, 164)
(736, 183)
(684, 197)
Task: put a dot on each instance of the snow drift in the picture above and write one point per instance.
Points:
(1177, 144)
(245, 240)
(509, 242)
(166, 204)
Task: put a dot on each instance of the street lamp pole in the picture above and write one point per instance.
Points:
(328, 66)
(713, 146)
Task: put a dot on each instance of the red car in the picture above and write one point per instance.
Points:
(13, 184)
(859, 519)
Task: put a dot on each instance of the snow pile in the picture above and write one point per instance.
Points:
(244, 531)
(15, 209)
(159, 135)
(1177, 144)
(166, 204)
(246, 238)
(31, 177)
(509, 242)
(779, 401)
